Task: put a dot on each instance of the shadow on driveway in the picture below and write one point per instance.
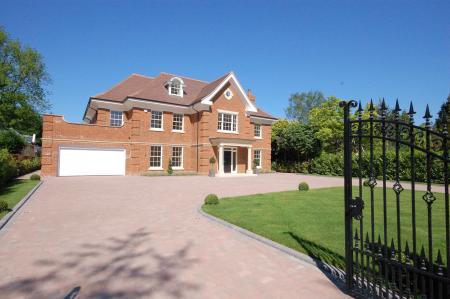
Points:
(125, 267)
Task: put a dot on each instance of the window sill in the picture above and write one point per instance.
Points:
(257, 137)
(227, 132)
(178, 168)
(121, 126)
(155, 168)
(176, 95)
(178, 131)
(156, 129)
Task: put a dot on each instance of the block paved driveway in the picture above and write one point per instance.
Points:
(142, 237)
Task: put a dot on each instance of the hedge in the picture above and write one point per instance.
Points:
(8, 167)
(27, 166)
(333, 164)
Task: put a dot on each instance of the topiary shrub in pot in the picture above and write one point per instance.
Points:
(169, 168)
(35, 177)
(211, 199)
(3, 206)
(256, 164)
(212, 170)
(303, 186)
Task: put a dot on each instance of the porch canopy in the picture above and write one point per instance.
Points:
(233, 142)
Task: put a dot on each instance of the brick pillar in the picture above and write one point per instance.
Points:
(47, 165)
(103, 117)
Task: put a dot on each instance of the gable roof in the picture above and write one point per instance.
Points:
(155, 89)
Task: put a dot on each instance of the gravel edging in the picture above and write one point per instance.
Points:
(8, 217)
(336, 275)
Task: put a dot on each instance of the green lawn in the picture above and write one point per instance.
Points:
(312, 221)
(14, 192)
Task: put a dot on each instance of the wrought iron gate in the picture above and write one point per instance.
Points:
(397, 238)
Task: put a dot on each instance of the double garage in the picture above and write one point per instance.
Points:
(75, 161)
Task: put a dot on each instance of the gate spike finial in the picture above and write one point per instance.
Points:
(427, 115)
(392, 248)
(423, 259)
(411, 113)
(371, 106)
(383, 104)
(411, 109)
(439, 258)
(383, 108)
(439, 264)
(407, 249)
(367, 241)
(397, 109)
(356, 234)
(397, 106)
(379, 251)
(360, 109)
(422, 253)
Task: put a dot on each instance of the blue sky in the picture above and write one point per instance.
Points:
(350, 49)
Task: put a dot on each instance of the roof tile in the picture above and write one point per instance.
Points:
(155, 89)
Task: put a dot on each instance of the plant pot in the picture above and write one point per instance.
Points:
(255, 170)
(212, 173)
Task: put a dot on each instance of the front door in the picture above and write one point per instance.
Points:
(229, 160)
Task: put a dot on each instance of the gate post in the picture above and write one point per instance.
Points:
(348, 192)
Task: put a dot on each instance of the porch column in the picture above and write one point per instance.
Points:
(249, 161)
(220, 159)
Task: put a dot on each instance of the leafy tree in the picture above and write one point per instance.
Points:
(17, 114)
(327, 122)
(23, 82)
(300, 105)
(445, 108)
(293, 141)
(11, 141)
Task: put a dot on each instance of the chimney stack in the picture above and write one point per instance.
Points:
(250, 96)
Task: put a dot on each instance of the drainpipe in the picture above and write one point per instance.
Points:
(198, 121)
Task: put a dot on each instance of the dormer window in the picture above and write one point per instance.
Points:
(175, 86)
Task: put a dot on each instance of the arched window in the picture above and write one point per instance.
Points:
(176, 87)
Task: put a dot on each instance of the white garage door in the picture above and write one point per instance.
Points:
(90, 161)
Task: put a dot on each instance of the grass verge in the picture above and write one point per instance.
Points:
(14, 192)
(312, 221)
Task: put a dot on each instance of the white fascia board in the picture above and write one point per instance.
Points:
(137, 103)
(262, 120)
(248, 104)
(131, 102)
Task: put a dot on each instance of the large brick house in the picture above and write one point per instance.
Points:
(142, 122)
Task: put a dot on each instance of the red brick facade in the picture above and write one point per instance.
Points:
(136, 137)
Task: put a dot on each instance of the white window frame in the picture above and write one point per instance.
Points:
(110, 118)
(176, 81)
(182, 122)
(162, 121)
(181, 167)
(160, 161)
(260, 131)
(232, 113)
(260, 157)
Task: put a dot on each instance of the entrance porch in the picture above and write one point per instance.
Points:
(234, 156)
